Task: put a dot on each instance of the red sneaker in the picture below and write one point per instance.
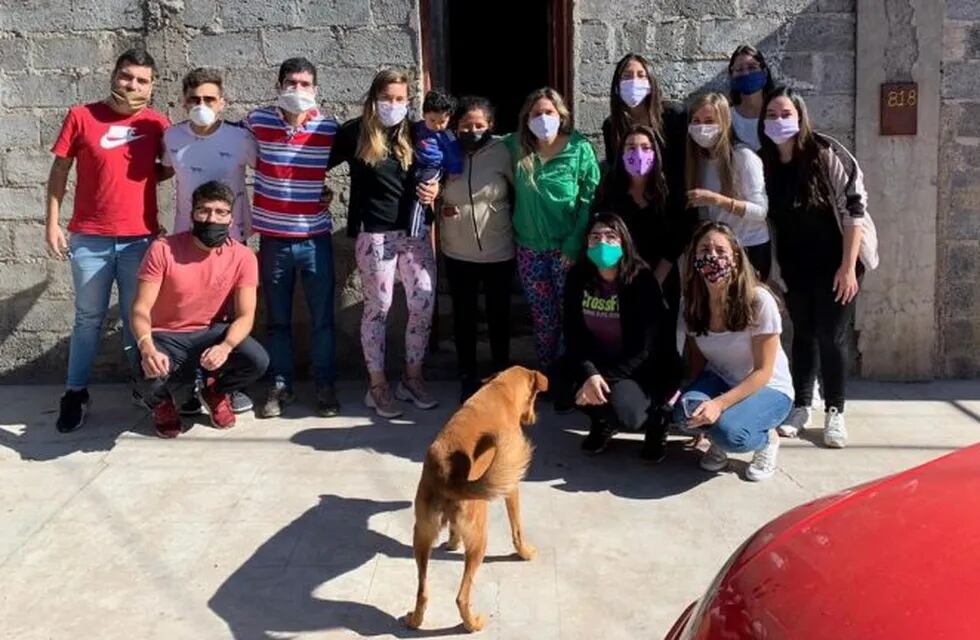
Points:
(165, 419)
(219, 407)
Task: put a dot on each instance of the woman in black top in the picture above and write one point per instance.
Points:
(635, 189)
(378, 147)
(635, 98)
(620, 356)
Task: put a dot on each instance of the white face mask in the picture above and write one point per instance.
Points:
(704, 135)
(634, 91)
(391, 113)
(202, 115)
(296, 102)
(545, 126)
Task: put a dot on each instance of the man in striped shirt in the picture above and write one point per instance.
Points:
(294, 141)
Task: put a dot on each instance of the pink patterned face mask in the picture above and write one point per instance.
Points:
(713, 268)
(638, 162)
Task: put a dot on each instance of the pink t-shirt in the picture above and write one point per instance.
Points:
(196, 284)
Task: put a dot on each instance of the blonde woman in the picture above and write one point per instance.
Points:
(725, 180)
(742, 389)
(378, 148)
(555, 177)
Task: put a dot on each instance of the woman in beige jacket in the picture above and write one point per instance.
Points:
(477, 240)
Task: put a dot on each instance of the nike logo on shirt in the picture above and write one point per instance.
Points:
(117, 136)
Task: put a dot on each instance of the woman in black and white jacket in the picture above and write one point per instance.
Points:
(825, 241)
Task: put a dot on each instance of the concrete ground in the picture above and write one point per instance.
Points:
(301, 527)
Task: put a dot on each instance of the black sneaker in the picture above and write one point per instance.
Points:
(191, 407)
(240, 402)
(74, 406)
(598, 439)
(655, 439)
(279, 395)
(327, 405)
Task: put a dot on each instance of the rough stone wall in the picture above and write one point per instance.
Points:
(808, 43)
(57, 53)
(958, 224)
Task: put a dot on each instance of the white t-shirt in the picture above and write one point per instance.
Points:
(222, 155)
(749, 181)
(746, 130)
(729, 353)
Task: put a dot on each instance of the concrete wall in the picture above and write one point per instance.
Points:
(958, 224)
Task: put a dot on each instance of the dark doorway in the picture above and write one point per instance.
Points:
(501, 50)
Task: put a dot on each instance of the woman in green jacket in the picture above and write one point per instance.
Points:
(555, 177)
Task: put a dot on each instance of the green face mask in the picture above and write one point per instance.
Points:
(605, 256)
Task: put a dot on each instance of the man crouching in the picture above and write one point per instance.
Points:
(190, 285)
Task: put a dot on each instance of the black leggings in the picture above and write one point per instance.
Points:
(820, 326)
(627, 409)
(464, 289)
(760, 255)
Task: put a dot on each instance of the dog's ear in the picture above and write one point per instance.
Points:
(540, 381)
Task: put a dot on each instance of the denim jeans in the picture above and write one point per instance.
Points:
(743, 427)
(279, 261)
(97, 262)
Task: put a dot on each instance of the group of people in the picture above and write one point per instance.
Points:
(674, 233)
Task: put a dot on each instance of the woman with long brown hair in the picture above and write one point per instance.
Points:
(725, 180)
(742, 388)
(555, 177)
(378, 147)
(826, 241)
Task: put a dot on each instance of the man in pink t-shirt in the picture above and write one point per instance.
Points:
(180, 315)
(115, 145)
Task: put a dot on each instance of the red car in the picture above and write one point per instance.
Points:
(893, 559)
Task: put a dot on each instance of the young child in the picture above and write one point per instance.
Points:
(436, 150)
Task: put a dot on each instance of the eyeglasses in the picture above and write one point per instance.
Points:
(218, 213)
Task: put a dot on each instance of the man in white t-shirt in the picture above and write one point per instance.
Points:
(201, 149)
(205, 148)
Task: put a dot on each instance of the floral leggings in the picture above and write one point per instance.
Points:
(378, 256)
(543, 280)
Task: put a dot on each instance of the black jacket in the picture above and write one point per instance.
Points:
(649, 346)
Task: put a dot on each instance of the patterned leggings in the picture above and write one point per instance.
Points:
(378, 256)
(543, 280)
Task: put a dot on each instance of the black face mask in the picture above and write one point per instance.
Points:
(473, 140)
(211, 234)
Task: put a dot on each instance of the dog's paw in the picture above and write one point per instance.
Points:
(475, 623)
(412, 621)
(527, 552)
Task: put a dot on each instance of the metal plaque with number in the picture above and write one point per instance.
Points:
(899, 109)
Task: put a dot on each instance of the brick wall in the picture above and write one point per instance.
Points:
(958, 225)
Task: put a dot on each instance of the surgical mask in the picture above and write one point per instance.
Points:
(391, 113)
(605, 255)
(780, 130)
(704, 135)
(638, 162)
(634, 91)
(471, 140)
(130, 99)
(750, 82)
(296, 102)
(202, 115)
(545, 126)
(211, 234)
(713, 268)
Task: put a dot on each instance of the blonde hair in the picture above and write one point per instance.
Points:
(373, 146)
(722, 151)
(528, 141)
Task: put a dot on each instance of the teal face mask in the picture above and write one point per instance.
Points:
(604, 255)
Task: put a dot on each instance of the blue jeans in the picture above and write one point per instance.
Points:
(742, 427)
(279, 261)
(97, 262)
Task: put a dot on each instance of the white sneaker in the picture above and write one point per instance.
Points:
(714, 459)
(797, 420)
(379, 398)
(763, 464)
(834, 431)
(413, 390)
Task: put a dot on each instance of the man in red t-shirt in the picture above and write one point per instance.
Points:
(179, 315)
(115, 145)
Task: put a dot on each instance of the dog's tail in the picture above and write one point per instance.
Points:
(511, 459)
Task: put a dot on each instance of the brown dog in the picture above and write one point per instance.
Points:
(480, 454)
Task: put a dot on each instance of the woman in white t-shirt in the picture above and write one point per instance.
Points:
(750, 80)
(742, 387)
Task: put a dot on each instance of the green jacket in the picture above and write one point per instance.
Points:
(552, 211)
